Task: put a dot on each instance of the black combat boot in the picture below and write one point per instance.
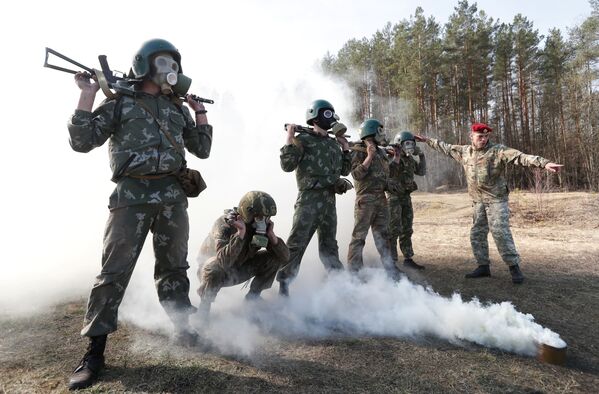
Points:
(283, 288)
(409, 263)
(90, 366)
(481, 271)
(517, 276)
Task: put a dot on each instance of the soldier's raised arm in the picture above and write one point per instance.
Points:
(516, 157)
(453, 151)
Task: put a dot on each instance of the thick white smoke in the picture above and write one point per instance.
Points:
(365, 305)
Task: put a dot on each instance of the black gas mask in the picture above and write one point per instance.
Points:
(326, 118)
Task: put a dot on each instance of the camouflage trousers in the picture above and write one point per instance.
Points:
(494, 217)
(401, 219)
(215, 275)
(124, 236)
(370, 212)
(315, 211)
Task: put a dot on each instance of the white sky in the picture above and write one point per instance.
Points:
(255, 58)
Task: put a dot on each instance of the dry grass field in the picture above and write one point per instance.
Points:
(557, 236)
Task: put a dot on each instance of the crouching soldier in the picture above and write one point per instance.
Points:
(243, 246)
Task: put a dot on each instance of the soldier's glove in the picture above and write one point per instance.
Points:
(339, 129)
(342, 185)
(418, 151)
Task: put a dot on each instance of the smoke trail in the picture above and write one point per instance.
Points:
(365, 305)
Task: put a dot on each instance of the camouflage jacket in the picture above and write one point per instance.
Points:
(137, 147)
(318, 161)
(401, 175)
(373, 179)
(231, 250)
(485, 168)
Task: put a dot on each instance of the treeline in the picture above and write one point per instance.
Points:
(538, 93)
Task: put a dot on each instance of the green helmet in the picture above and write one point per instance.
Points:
(141, 60)
(403, 136)
(256, 203)
(370, 128)
(317, 105)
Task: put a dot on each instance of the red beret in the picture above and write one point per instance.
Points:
(480, 128)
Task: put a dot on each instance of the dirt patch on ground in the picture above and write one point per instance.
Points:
(559, 244)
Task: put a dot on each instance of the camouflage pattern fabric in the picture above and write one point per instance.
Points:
(373, 179)
(318, 163)
(137, 147)
(315, 211)
(401, 219)
(485, 168)
(371, 210)
(126, 231)
(236, 260)
(495, 217)
(256, 203)
(401, 214)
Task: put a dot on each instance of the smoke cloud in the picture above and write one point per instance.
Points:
(368, 304)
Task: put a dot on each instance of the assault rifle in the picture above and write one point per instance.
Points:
(111, 82)
(338, 130)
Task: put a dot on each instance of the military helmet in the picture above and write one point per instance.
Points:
(370, 128)
(317, 105)
(141, 60)
(256, 203)
(403, 136)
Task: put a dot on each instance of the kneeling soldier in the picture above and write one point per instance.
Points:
(243, 245)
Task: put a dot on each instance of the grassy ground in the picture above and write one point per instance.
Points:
(558, 238)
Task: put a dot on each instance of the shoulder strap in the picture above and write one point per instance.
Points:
(166, 133)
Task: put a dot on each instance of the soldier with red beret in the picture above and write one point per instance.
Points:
(484, 163)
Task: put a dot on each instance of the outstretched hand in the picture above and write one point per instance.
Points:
(420, 138)
(553, 167)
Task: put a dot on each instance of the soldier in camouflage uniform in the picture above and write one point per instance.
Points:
(243, 245)
(485, 163)
(401, 185)
(318, 161)
(147, 196)
(370, 170)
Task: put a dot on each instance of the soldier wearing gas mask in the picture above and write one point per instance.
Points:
(370, 170)
(147, 196)
(318, 161)
(243, 245)
(401, 184)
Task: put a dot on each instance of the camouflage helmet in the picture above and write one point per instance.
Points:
(317, 105)
(256, 203)
(141, 61)
(403, 136)
(370, 128)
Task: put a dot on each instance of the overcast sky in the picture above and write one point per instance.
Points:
(255, 58)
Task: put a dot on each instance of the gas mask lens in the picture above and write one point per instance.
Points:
(328, 114)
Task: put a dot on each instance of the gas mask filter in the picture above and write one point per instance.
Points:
(260, 239)
(408, 147)
(166, 71)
